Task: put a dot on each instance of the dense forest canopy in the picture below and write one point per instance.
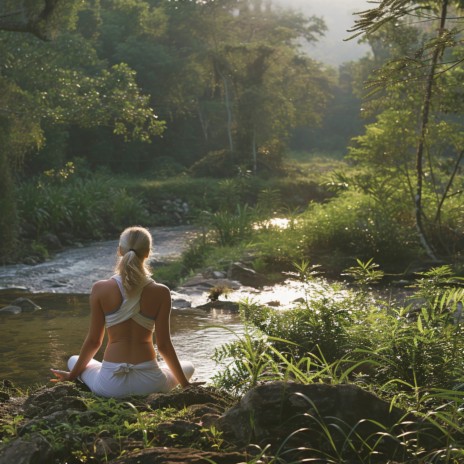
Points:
(99, 80)
(225, 87)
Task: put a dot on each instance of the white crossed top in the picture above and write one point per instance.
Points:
(130, 308)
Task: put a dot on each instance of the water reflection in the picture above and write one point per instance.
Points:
(31, 343)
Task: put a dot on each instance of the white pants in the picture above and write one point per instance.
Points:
(116, 380)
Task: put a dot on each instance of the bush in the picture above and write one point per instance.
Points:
(394, 347)
(355, 224)
(84, 208)
(217, 164)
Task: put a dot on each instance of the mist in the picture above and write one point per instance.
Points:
(339, 16)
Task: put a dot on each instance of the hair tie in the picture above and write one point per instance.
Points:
(131, 249)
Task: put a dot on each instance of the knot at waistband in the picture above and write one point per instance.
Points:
(124, 368)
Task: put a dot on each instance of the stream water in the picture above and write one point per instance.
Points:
(33, 342)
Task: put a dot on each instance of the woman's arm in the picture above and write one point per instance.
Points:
(163, 338)
(92, 342)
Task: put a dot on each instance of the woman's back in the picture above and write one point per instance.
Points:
(128, 341)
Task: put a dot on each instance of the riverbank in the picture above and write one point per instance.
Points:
(295, 385)
(276, 422)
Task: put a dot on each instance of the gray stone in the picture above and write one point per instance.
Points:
(48, 400)
(180, 399)
(220, 304)
(25, 304)
(272, 413)
(180, 300)
(34, 449)
(10, 309)
(246, 276)
(51, 241)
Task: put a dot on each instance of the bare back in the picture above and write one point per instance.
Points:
(128, 341)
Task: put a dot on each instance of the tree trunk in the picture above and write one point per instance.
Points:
(8, 216)
(423, 132)
(229, 111)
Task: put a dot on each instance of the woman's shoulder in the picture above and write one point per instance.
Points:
(157, 291)
(154, 286)
(102, 285)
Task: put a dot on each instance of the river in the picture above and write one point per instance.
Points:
(31, 343)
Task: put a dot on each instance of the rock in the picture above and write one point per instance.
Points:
(67, 238)
(34, 449)
(273, 303)
(180, 399)
(283, 418)
(10, 309)
(205, 284)
(220, 304)
(204, 414)
(46, 401)
(178, 432)
(26, 304)
(219, 275)
(271, 413)
(162, 455)
(211, 273)
(51, 241)
(180, 300)
(246, 276)
(57, 418)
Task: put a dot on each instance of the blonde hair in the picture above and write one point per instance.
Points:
(134, 248)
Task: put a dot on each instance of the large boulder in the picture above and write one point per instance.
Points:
(246, 276)
(303, 416)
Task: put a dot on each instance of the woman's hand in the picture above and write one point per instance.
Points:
(60, 375)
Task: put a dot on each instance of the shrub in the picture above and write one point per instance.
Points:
(84, 208)
(394, 347)
(354, 224)
(217, 164)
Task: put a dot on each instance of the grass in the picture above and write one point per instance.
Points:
(412, 356)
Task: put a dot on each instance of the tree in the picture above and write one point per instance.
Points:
(43, 18)
(226, 76)
(57, 83)
(425, 68)
(266, 85)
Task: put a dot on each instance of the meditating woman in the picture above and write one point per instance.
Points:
(131, 306)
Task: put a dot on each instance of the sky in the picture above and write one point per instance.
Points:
(338, 16)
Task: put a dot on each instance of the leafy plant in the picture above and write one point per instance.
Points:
(232, 227)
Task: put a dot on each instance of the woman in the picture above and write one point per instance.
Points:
(131, 306)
